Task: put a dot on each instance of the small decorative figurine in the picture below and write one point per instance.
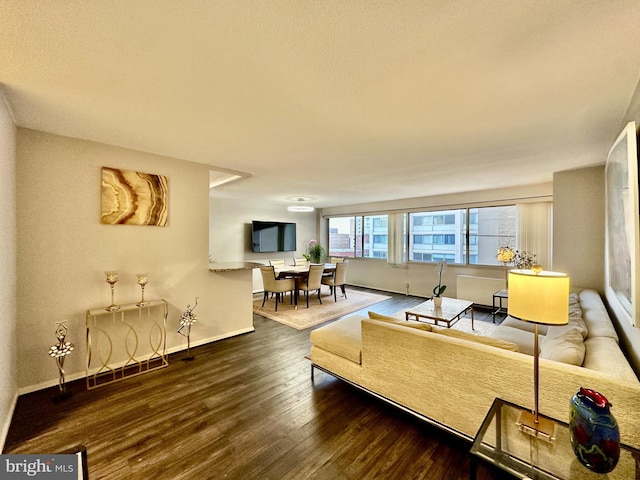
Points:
(59, 351)
(187, 319)
(595, 436)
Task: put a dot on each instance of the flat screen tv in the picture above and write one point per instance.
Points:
(273, 236)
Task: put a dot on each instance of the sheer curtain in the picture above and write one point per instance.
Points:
(397, 252)
(534, 231)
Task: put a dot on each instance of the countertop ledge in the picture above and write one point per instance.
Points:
(231, 266)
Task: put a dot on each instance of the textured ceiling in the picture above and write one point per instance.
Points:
(342, 101)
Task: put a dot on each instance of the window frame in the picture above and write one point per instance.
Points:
(443, 218)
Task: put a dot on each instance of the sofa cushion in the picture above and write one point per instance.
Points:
(525, 326)
(595, 315)
(604, 355)
(522, 338)
(493, 342)
(404, 323)
(342, 337)
(564, 345)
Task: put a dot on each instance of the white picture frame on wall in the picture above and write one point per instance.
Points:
(622, 242)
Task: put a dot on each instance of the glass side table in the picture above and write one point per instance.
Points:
(501, 445)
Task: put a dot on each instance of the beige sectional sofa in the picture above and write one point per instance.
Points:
(450, 378)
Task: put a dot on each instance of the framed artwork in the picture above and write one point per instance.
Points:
(622, 244)
(133, 198)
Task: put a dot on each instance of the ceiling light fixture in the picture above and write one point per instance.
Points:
(300, 207)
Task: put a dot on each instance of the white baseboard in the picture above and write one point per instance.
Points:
(179, 348)
(217, 338)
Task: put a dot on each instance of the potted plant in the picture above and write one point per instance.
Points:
(315, 252)
(439, 289)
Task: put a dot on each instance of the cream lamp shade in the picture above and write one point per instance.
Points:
(539, 297)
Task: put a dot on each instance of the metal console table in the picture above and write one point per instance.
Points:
(114, 349)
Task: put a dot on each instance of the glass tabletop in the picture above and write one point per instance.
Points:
(500, 442)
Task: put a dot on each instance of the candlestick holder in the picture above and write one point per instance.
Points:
(112, 279)
(143, 279)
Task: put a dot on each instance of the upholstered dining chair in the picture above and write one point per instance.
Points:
(275, 286)
(338, 279)
(300, 261)
(277, 263)
(313, 281)
(335, 260)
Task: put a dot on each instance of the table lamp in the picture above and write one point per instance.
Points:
(540, 297)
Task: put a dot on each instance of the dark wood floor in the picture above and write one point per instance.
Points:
(245, 408)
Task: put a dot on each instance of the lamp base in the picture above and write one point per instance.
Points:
(544, 429)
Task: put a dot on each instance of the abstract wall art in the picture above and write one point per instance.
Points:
(133, 198)
(622, 235)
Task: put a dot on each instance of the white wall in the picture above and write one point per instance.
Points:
(63, 250)
(8, 274)
(230, 229)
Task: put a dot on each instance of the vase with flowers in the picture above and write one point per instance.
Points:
(439, 289)
(315, 252)
(524, 260)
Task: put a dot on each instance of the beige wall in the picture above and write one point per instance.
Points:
(230, 229)
(64, 250)
(8, 274)
(578, 226)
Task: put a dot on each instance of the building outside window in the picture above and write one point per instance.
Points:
(431, 236)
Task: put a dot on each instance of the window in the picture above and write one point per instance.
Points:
(435, 236)
(363, 236)
(468, 236)
(342, 236)
(495, 227)
(444, 235)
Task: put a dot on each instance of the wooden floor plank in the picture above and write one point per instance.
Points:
(245, 408)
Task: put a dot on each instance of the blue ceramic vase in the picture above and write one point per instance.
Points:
(595, 436)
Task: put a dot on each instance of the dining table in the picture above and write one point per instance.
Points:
(299, 272)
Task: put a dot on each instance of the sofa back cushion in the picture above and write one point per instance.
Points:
(575, 316)
(403, 323)
(604, 355)
(493, 342)
(563, 344)
(595, 315)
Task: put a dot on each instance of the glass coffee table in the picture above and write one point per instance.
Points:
(501, 445)
(448, 314)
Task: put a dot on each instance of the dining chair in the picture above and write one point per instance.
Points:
(335, 260)
(300, 261)
(275, 286)
(277, 263)
(313, 281)
(338, 279)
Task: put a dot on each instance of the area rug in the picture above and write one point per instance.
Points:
(481, 327)
(316, 314)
